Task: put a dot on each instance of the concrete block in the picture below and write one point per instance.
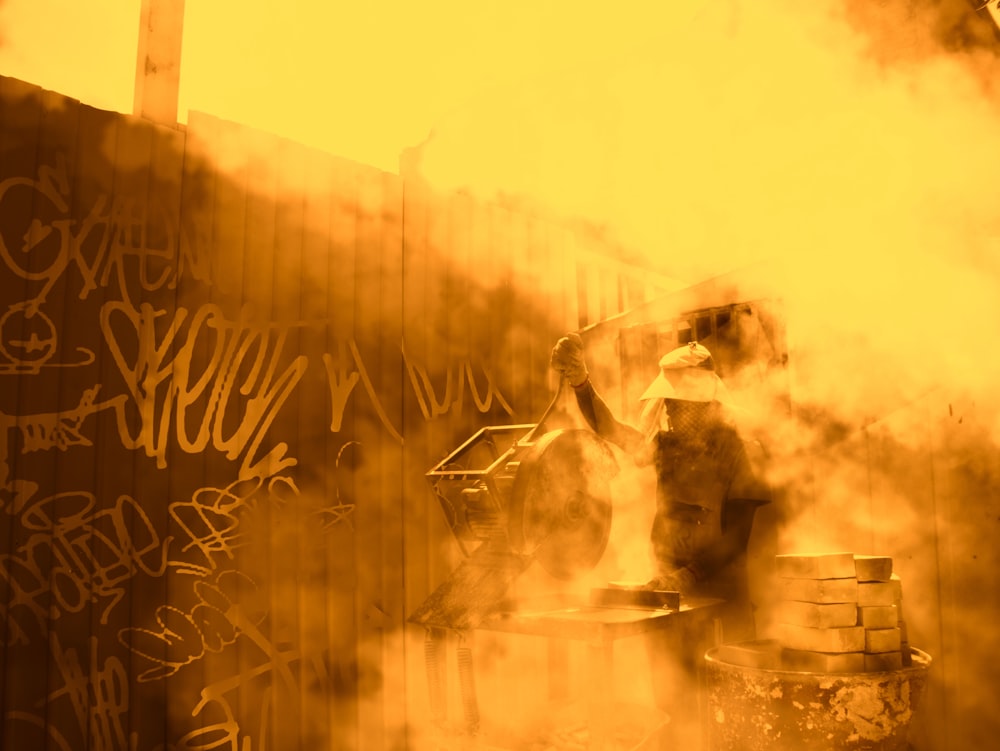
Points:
(878, 640)
(877, 593)
(816, 566)
(875, 663)
(878, 616)
(873, 568)
(818, 590)
(822, 662)
(817, 615)
(845, 639)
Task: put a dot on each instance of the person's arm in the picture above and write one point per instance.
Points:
(600, 418)
(568, 360)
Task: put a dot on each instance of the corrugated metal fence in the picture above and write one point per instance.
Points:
(226, 362)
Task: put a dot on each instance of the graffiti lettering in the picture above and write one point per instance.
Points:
(45, 431)
(331, 515)
(78, 556)
(348, 369)
(61, 430)
(182, 638)
(218, 736)
(28, 340)
(342, 381)
(99, 697)
(170, 395)
(41, 244)
(454, 392)
(211, 518)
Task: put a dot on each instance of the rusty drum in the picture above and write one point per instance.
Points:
(753, 708)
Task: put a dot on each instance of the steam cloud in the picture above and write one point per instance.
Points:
(851, 149)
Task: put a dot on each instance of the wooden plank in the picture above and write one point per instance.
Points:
(134, 478)
(24, 644)
(392, 486)
(164, 200)
(51, 389)
(316, 479)
(225, 481)
(524, 390)
(489, 322)
(190, 456)
(158, 62)
(458, 311)
(372, 508)
(232, 148)
(420, 503)
(342, 456)
(259, 268)
(417, 456)
(504, 307)
(111, 472)
(289, 532)
(546, 328)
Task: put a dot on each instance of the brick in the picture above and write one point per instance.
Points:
(816, 566)
(764, 653)
(884, 661)
(816, 615)
(878, 616)
(878, 640)
(877, 593)
(822, 591)
(822, 662)
(873, 568)
(846, 639)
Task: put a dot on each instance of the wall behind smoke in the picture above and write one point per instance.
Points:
(227, 363)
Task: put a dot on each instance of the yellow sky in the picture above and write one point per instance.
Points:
(358, 79)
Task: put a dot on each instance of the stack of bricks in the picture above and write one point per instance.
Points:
(840, 613)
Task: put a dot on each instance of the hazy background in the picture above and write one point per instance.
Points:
(850, 145)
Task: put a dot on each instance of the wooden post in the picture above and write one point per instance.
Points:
(158, 62)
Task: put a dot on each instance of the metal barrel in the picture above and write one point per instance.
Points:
(753, 709)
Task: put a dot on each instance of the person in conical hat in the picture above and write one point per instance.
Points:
(706, 496)
(707, 491)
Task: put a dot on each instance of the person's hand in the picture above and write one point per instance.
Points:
(679, 580)
(567, 359)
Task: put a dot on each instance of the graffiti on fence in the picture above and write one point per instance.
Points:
(348, 369)
(98, 693)
(203, 372)
(45, 232)
(177, 382)
(73, 554)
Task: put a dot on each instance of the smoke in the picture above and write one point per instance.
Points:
(753, 131)
(849, 147)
